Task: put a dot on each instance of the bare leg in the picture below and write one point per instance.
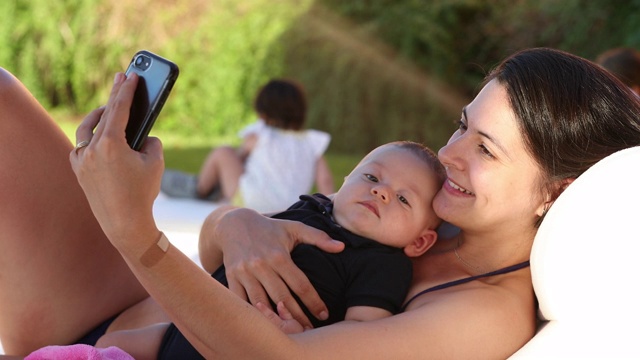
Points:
(142, 314)
(59, 275)
(142, 344)
(223, 166)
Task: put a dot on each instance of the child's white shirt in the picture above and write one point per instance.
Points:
(281, 166)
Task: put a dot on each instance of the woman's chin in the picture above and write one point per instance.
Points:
(444, 209)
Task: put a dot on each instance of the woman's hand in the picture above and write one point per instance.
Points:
(258, 263)
(120, 184)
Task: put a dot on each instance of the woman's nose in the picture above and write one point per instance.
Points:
(450, 155)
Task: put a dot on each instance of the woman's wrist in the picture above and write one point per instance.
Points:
(156, 251)
(133, 236)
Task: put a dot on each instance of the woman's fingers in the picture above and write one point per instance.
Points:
(282, 294)
(298, 283)
(84, 132)
(268, 312)
(259, 281)
(296, 280)
(282, 319)
(117, 82)
(239, 288)
(119, 106)
(116, 111)
(308, 235)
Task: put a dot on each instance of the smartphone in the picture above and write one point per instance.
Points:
(156, 78)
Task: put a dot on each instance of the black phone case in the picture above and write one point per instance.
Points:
(157, 76)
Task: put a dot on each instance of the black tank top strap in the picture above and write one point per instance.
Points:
(505, 270)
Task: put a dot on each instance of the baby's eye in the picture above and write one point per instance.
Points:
(371, 177)
(403, 200)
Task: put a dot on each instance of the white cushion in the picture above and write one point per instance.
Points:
(585, 265)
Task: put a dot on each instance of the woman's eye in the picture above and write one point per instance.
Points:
(485, 151)
(403, 200)
(462, 126)
(371, 177)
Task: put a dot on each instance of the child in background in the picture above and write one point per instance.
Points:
(383, 215)
(276, 162)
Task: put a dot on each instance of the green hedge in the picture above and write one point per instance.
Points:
(67, 51)
(374, 70)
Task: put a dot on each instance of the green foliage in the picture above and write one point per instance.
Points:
(374, 70)
(223, 62)
(58, 49)
(460, 40)
(360, 91)
(67, 51)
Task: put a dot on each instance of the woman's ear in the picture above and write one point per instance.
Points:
(423, 243)
(561, 186)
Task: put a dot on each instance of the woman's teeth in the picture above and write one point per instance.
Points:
(460, 188)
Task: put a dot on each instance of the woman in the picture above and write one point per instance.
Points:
(542, 119)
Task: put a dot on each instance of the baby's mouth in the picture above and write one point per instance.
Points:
(372, 207)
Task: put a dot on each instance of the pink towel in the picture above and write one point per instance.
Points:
(78, 352)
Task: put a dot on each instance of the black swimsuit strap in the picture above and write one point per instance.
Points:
(505, 270)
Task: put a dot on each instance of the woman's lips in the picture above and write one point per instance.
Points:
(451, 186)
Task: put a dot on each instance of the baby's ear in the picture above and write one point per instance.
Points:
(423, 243)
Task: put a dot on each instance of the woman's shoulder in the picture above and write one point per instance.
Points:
(508, 282)
(498, 312)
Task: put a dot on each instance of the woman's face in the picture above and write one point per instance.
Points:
(492, 181)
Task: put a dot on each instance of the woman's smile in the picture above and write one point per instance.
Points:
(450, 186)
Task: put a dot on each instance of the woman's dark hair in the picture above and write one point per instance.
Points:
(571, 112)
(282, 103)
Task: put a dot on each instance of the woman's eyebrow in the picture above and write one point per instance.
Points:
(487, 136)
(494, 141)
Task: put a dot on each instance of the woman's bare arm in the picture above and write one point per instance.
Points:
(209, 250)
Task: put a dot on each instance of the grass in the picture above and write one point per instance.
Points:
(188, 154)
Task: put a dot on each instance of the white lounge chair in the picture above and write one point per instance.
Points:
(585, 265)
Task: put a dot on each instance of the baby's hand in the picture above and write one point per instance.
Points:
(283, 319)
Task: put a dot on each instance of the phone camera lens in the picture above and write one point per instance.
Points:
(142, 62)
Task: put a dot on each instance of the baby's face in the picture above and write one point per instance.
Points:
(387, 197)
